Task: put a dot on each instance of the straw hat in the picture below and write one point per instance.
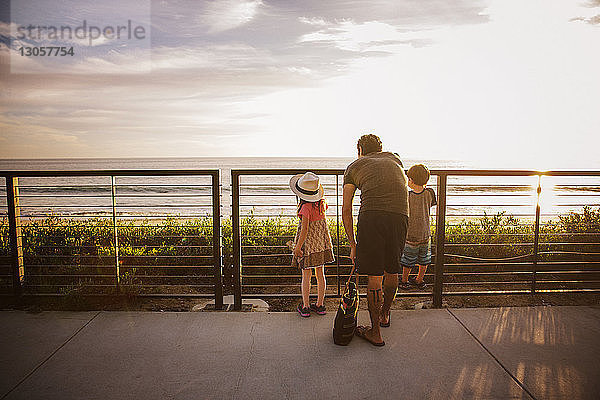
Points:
(307, 187)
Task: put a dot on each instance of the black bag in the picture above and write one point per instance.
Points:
(345, 319)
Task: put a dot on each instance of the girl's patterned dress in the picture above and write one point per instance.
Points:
(317, 249)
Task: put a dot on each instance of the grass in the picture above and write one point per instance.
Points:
(72, 255)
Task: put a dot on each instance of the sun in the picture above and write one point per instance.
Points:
(547, 198)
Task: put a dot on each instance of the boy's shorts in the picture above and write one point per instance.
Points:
(380, 239)
(416, 254)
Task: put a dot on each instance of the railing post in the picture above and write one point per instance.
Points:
(440, 240)
(536, 235)
(216, 239)
(113, 193)
(15, 234)
(337, 227)
(237, 246)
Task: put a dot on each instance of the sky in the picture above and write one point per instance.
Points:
(510, 83)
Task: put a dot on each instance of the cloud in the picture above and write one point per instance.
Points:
(209, 62)
(31, 138)
(592, 20)
(359, 37)
(595, 20)
(224, 15)
(313, 21)
(6, 29)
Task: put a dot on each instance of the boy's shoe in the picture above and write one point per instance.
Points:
(319, 310)
(405, 285)
(303, 311)
(413, 282)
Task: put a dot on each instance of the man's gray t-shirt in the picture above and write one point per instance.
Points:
(382, 182)
(419, 229)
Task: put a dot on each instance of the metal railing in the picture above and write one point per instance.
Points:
(101, 232)
(498, 238)
(158, 233)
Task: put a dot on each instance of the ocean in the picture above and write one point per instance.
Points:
(189, 197)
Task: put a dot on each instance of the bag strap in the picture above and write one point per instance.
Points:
(352, 274)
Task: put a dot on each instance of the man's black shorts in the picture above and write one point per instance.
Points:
(380, 242)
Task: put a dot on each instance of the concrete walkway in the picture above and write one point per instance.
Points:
(501, 353)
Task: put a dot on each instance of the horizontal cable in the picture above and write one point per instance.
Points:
(567, 290)
(331, 206)
(578, 194)
(157, 217)
(55, 206)
(575, 185)
(569, 252)
(122, 277)
(69, 276)
(112, 255)
(160, 217)
(167, 285)
(148, 246)
(133, 235)
(172, 195)
(70, 196)
(41, 256)
(562, 282)
(128, 266)
(491, 205)
(112, 266)
(156, 295)
(117, 186)
(576, 205)
(290, 195)
(520, 234)
(488, 264)
(568, 244)
(86, 285)
(481, 185)
(108, 195)
(493, 194)
(486, 244)
(166, 185)
(540, 263)
(161, 205)
(67, 216)
(166, 227)
(489, 259)
(107, 187)
(56, 285)
(526, 275)
(110, 226)
(508, 292)
(516, 283)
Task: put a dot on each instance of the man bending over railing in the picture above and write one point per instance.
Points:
(381, 228)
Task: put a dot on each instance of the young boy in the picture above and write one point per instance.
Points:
(417, 250)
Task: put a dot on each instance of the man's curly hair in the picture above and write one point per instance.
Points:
(369, 144)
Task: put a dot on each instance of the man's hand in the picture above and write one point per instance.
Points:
(298, 252)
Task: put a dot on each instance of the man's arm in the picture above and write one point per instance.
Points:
(347, 219)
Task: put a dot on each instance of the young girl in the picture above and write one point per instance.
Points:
(312, 246)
